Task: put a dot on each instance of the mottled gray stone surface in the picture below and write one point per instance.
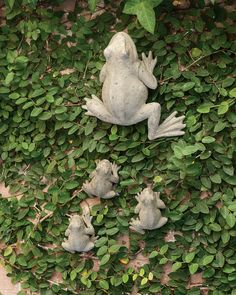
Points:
(148, 209)
(103, 180)
(80, 234)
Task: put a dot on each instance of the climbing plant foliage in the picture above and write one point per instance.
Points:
(49, 147)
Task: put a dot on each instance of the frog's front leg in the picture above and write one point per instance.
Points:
(96, 108)
(145, 71)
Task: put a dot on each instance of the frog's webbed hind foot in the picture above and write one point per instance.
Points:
(96, 108)
(172, 126)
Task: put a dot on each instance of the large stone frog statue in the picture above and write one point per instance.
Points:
(125, 81)
(148, 209)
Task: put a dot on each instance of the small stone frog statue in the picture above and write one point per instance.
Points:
(148, 208)
(80, 234)
(126, 80)
(104, 179)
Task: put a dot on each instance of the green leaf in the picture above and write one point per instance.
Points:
(92, 5)
(144, 281)
(228, 82)
(73, 275)
(7, 251)
(4, 90)
(232, 207)
(157, 179)
(10, 3)
(223, 108)
(105, 259)
(21, 261)
(207, 259)
(231, 220)
(104, 284)
(232, 92)
(51, 167)
(153, 254)
(127, 182)
(215, 178)
(36, 111)
(176, 266)
(45, 116)
(100, 242)
(102, 250)
(229, 170)
(164, 249)
(208, 139)
(72, 184)
(9, 78)
(147, 18)
(229, 269)
(114, 249)
(144, 11)
(3, 128)
(27, 105)
(204, 108)
(137, 158)
(190, 149)
(189, 257)
(60, 110)
(225, 237)
(193, 268)
(112, 231)
(215, 227)
(196, 52)
(37, 92)
(187, 86)
(125, 278)
(22, 59)
(219, 126)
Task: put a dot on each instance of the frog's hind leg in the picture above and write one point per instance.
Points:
(96, 108)
(109, 195)
(172, 126)
(89, 246)
(152, 112)
(135, 225)
(66, 245)
(162, 221)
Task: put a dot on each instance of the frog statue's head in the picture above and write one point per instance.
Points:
(104, 168)
(121, 48)
(147, 196)
(76, 223)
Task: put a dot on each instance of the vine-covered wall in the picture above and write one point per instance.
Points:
(48, 66)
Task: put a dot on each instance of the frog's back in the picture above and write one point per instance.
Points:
(123, 94)
(149, 217)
